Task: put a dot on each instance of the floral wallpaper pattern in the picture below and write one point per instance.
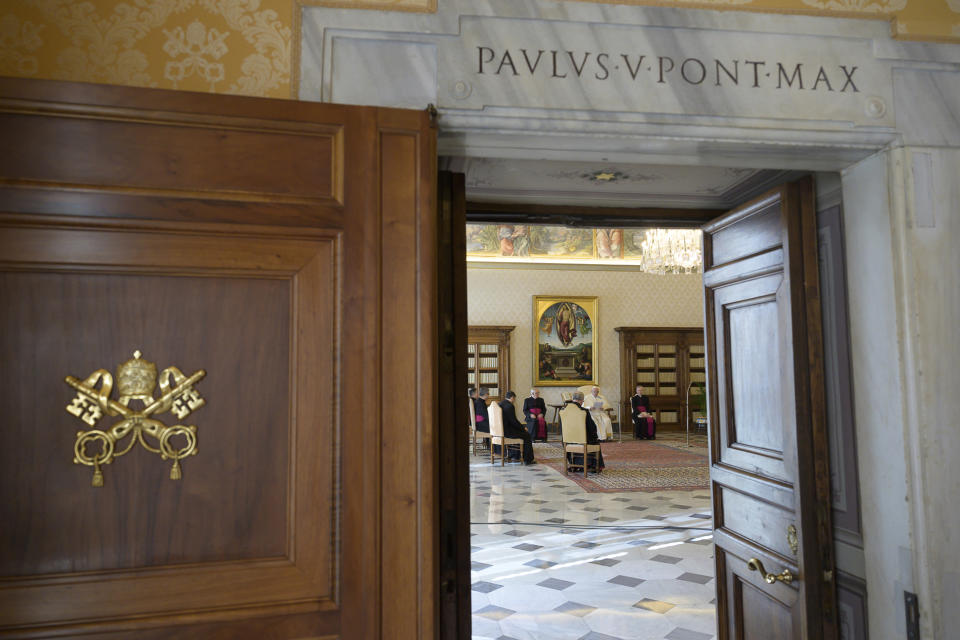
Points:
(224, 46)
(245, 46)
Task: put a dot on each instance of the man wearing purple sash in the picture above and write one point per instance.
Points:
(535, 411)
(480, 410)
(644, 426)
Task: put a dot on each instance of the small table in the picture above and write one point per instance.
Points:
(556, 415)
(609, 411)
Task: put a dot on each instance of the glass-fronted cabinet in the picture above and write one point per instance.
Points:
(488, 359)
(666, 361)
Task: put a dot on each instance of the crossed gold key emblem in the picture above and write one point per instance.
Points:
(136, 380)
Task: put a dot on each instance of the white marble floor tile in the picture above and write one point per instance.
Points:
(694, 618)
(528, 599)
(478, 600)
(630, 625)
(553, 625)
(484, 629)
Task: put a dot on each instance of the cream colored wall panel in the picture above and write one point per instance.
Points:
(503, 296)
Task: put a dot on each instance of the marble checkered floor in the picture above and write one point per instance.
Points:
(553, 562)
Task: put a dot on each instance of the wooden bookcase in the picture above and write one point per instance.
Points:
(665, 360)
(488, 359)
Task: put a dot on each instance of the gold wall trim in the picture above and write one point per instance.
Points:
(296, 37)
(429, 6)
(749, 8)
(895, 17)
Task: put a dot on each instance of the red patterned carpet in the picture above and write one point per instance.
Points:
(665, 464)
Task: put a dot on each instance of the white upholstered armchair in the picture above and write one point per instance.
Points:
(573, 427)
(496, 434)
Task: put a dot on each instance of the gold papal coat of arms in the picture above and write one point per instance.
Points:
(136, 380)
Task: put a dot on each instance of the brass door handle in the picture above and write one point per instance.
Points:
(786, 576)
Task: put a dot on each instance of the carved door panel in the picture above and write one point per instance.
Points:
(768, 446)
(288, 249)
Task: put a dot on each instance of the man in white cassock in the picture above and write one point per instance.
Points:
(597, 405)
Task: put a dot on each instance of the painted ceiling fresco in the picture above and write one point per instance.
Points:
(654, 250)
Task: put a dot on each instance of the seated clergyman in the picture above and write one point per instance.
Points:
(512, 427)
(594, 461)
(644, 426)
(597, 404)
(535, 412)
(480, 410)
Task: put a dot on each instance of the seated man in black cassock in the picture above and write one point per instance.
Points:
(512, 427)
(594, 461)
(535, 412)
(480, 410)
(644, 426)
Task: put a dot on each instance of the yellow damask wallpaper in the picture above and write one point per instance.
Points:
(223, 46)
(246, 46)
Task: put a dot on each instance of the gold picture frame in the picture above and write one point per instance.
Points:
(565, 341)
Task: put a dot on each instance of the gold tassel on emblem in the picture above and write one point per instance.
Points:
(137, 381)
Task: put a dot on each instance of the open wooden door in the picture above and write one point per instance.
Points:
(287, 249)
(454, 478)
(768, 443)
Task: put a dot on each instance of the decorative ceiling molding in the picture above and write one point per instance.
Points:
(552, 182)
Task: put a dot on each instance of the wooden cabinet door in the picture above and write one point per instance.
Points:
(768, 448)
(289, 250)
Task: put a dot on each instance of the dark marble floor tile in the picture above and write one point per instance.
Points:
(485, 587)
(554, 583)
(626, 581)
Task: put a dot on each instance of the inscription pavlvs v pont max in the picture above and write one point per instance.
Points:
(560, 64)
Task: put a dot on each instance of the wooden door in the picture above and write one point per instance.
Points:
(454, 475)
(768, 444)
(288, 249)
(659, 358)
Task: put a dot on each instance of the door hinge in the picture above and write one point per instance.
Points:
(912, 609)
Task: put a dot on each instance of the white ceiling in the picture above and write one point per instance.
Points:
(559, 182)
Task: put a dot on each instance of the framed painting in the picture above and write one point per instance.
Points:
(565, 338)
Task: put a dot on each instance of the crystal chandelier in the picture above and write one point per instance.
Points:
(671, 251)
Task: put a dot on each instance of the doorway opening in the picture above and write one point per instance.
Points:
(558, 553)
(628, 554)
